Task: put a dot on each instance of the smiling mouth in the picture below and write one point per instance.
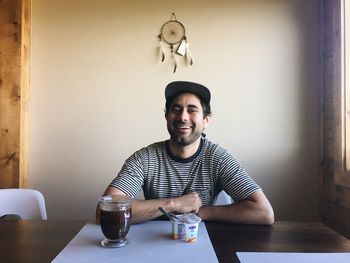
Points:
(182, 127)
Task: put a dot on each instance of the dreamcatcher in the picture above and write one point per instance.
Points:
(173, 33)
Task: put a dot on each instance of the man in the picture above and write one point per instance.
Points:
(186, 173)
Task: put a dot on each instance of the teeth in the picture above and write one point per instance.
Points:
(182, 126)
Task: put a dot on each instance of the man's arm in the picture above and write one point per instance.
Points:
(256, 209)
(143, 210)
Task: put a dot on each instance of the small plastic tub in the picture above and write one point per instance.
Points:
(186, 228)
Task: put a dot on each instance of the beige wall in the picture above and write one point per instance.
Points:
(97, 93)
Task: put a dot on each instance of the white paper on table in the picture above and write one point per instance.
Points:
(277, 257)
(148, 242)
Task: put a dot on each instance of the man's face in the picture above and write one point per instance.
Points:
(185, 119)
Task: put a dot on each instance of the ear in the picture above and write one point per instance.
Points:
(207, 121)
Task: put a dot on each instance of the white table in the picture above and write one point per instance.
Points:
(148, 242)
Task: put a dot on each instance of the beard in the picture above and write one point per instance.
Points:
(183, 139)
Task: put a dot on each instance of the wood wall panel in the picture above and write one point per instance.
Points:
(336, 197)
(25, 88)
(14, 90)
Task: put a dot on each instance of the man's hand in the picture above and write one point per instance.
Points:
(187, 203)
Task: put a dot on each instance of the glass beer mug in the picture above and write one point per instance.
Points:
(115, 219)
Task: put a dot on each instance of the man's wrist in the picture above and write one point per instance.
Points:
(170, 205)
(203, 212)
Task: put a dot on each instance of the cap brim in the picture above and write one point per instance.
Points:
(177, 87)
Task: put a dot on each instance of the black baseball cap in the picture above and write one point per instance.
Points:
(177, 87)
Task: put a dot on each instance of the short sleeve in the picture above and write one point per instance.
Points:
(234, 179)
(131, 177)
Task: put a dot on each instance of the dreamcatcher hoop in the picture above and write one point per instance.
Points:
(173, 33)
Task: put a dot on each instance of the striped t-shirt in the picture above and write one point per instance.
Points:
(161, 175)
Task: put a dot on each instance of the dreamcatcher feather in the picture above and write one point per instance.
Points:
(161, 48)
(173, 33)
(188, 54)
(173, 58)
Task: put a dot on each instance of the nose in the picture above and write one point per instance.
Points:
(183, 115)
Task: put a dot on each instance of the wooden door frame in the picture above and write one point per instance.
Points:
(15, 26)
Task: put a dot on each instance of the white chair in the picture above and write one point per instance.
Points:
(27, 203)
(223, 199)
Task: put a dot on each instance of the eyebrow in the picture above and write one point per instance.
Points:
(187, 106)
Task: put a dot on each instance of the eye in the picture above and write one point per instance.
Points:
(193, 110)
(175, 110)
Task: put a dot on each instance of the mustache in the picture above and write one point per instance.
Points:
(177, 123)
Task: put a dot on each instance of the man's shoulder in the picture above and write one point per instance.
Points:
(214, 150)
(148, 152)
(155, 146)
(213, 146)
